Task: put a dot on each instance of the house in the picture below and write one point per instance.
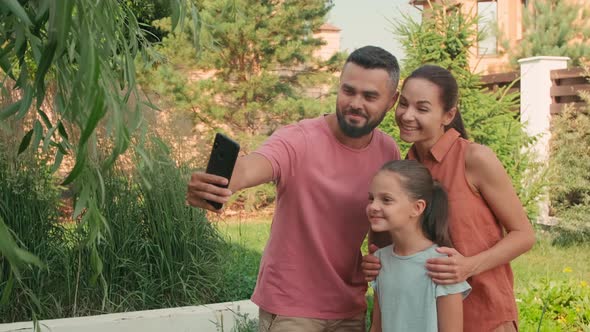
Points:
(505, 15)
(501, 16)
(331, 36)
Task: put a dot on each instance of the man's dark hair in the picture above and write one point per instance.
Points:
(373, 57)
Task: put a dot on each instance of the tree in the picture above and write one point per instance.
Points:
(148, 11)
(78, 56)
(261, 57)
(260, 73)
(554, 28)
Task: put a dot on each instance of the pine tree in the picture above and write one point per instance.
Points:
(555, 28)
(261, 54)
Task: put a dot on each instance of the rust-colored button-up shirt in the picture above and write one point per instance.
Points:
(473, 229)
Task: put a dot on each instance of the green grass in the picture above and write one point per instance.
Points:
(544, 260)
(549, 261)
(538, 273)
(246, 242)
(251, 234)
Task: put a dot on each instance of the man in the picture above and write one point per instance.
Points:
(310, 277)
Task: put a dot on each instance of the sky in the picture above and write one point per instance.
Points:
(368, 22)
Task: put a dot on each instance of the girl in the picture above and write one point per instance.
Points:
(487, 222)
(406, 202)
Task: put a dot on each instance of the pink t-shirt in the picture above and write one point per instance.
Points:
(311, 263)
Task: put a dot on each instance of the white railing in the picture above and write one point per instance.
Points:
(218, 317)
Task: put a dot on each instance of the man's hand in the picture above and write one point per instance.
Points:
(371, 264)
(203, 186)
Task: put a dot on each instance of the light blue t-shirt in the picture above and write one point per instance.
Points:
(407, 295)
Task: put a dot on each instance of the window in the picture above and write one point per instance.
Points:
(488, 27)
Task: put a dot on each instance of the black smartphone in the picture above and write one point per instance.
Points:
(222, 160)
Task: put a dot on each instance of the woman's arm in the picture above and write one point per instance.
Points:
(376, 321)
(449, 310)
(488, 178)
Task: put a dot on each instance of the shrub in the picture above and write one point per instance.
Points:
(550, 305)
(161, 252)
(570, 164)
(156, 252)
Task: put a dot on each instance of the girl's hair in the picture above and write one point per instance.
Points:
(419, 184)
(449, 92)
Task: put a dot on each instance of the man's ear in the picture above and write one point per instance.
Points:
(449, 116)
(393, 101)
(419, 207)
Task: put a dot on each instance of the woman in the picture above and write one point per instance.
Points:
(488, 225)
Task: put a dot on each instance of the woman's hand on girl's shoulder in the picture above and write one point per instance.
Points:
(451, 269)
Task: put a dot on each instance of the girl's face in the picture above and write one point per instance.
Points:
(420, 114)
(390, 207)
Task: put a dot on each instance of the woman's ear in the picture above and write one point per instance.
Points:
(419, 207)
(449, 116)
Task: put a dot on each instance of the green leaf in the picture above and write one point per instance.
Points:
(196, 26)
(9, 249)
(45, 118)
(7, 290)
(61, 146)
(49, 138)
(5, 62)
(81, 202)
(27, 257)
(44, 65)
(63, 23)
(10, 110)
(38, 128)
(62, 131)
(175, 17)
(59, 156)
(78, 167)
(15, 7)
(24, 144)
(97, 113)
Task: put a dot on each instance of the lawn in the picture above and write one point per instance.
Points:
(544, 260)
(547, 276)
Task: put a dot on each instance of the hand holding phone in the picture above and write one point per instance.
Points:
(222, 160)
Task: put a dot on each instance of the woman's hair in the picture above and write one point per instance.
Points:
(449, 92)
(419, 184)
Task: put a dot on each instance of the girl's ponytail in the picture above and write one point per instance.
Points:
(419, 184)
(435, 220)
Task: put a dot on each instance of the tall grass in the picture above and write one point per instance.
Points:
(29, 207)
(157, 253)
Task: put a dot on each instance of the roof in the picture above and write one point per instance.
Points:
(329, 27)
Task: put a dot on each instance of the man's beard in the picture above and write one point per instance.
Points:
(354, 131)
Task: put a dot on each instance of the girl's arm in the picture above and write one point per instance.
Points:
(489, 178)
(450, 313)
(376, 321)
